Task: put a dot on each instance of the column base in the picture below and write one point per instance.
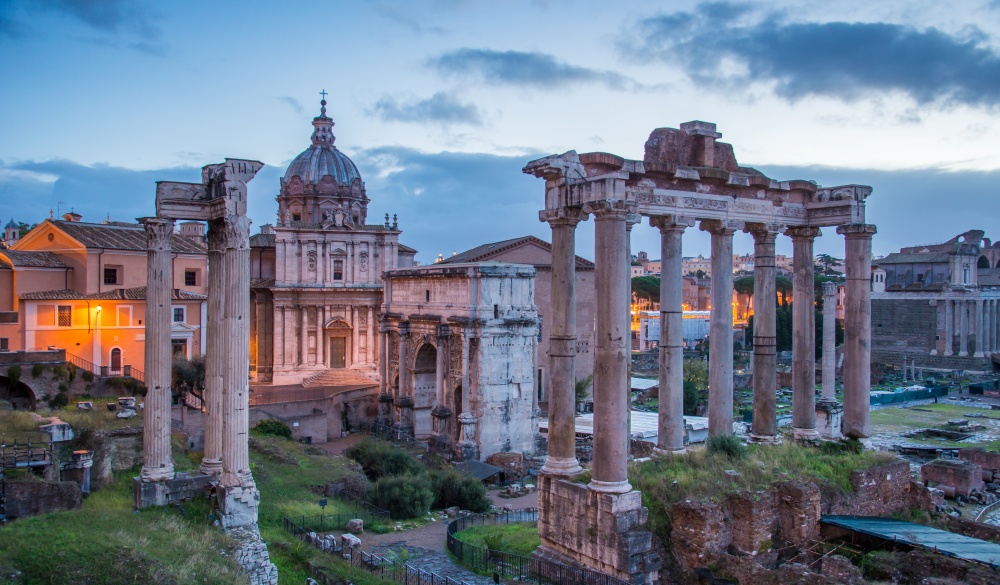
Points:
(963, 354)
(658, 452)
(979, 354)
(765, 439)
(933, 352)
(805, 434)
(211, 467)
(238, 505)
(561, 466)
(183, 486)
(609, 487)
(947, 353)
(157, 474)
(829, 415)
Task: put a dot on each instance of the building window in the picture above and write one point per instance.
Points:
(178, 347)
(296, 217)
(4, 344)
(190, 278)
(64, 316)
(338, 270)
(178, 314)
(110, 275)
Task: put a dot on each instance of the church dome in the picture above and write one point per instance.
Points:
(322, 159)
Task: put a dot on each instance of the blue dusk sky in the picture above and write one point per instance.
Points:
(440, 103)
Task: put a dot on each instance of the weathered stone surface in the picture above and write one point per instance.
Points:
(799, 512)
(753, 522)
(964, 476)
(350, 540)
(115, 450)
(32, 497)
(513, 464)
(251, 554)
(355, 526)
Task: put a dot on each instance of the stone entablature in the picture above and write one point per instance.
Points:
(460, 351)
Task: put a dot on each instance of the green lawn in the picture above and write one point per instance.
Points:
(902, 420)
(520, 538)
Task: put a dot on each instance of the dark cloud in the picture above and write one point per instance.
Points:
(847, 60)
(117, 23)
(292, 103)
(440, 108)
(525, 69)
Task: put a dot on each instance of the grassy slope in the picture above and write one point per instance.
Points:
(520, 538)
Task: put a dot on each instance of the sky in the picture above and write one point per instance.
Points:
(440, 103)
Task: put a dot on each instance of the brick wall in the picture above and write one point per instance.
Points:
(32, 497)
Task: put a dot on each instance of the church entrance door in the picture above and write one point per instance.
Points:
(338, 352)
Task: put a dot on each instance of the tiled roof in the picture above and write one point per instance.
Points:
(120, 236)
(33, 259)
(404, 248)
(897, 258)
(487, 251)
(128, 294)
(988, 276)
(262, 241)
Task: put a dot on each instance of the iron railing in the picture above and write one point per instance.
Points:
(106, 371)
(505, 565)
(328, 522)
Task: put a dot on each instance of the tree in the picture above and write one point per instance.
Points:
(582, 388)
(188, 376)
(829, 262)
(23, 228)
(744, 286)
(783, 287)
(646, 287)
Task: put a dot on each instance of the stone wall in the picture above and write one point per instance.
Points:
(879, 491)
(981, 458)
(965, 477)
(31, 497)
(906, 326)
(312, 427)
(932, 362)
(115, 450)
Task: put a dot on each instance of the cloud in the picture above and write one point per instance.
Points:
(439, 108)
(292, 103)
(726, 45)
(116, 23)
(525, 69)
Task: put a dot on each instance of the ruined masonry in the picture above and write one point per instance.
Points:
(686, 177)
(221, 200)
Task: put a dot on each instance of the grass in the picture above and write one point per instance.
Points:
(519, 538)
(902, 420)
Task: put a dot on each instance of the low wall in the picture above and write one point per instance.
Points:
(32, 497)
(114, 450)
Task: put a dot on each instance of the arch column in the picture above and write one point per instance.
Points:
(211, 464)
(404, 402)
(963, 327)
(670, 428)
(979, 328)
(949, 328)
(441, 414)
(467, 419)
(561, 459)
(857, 328)
(385, 395)
(157, 462)
(765, 425)
(720, 351)
(803, 334)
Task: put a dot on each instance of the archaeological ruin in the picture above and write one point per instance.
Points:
(687, 177)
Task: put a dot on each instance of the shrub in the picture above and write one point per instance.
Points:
(70, 372)
(272, 427)
(380, 460)
(37, 370)
(454, 489)
(729, 445)
(88, 376)
(406, 496)
(60, 373)
(60, 400)
(842, 446)
(63, 388)
(13, 376)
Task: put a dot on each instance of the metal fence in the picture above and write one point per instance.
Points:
(384, 567)
(514, 567)
(327, 522)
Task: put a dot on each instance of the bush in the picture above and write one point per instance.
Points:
(88, 376)
(406, 496)
(380, 460)
(842, 446)
(37, 370)
(60, 400)
(13, 376)
(60, 373)
(728, 445)
(272, 427)
(454, 489)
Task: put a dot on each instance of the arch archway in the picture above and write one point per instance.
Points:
(983, 262)
(424, 389)
(19, 394)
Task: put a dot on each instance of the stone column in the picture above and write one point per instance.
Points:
(803, 334)
(611, 384)
(670, 430)
(385, 392)
(215, 357)
(765, 383)
(938, 325)
(279, 336)
(720, 352)
(857, 328)
(441, 413)
(467, 420)
(404, 402)
(236, 344)
(979, 328)
(985, 348)
(963, 327)
(157, 462)
(993, 326)
(949, 329)
(321, 356)
(561, 459)
(829, 413)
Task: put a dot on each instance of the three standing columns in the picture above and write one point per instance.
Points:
(720, 350)
(857, 328)
(765, 424)
(670, 433)
(561, 459)
(803, 334)
(611, 384)
(157, 463)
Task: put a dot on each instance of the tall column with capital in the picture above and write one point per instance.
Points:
(670, 433)
(215, 357)
(803, 333)
(561, 459)
(720, 351)
(857, 328)
(467, 419)
(404, 402)
(611, 384)
(157, 464)
(949, 328)
(765, 424)
(979, 328)
(236, 345)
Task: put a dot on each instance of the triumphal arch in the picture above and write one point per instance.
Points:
(686, 178)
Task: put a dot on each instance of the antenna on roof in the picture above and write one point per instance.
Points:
(59, 206)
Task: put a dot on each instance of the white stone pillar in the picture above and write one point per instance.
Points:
(949, 328)
(279, 336)
(979, 328)
(385, 397)
(938, 325)
(670, 432)
(405, 399)
(561, 459)
(857, 328)
(829, 342)
(441, 412)
(321, 357)
(765, 424)
(157, 464)
(467, 419)
(720, 352)
(215, 357)
(611, 384)
(370, 333)
(236, 343)
(803, 334)
(986, 321)
(355, 330)
(963, 324)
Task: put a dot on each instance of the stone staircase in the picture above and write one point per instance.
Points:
(339, 377)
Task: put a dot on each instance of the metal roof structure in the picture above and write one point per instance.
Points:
(477, 469)
(918, 535)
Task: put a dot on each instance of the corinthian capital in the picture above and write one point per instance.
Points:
(613, 209)
(857, 230)
(666, 223)
(564, 216)
(158, 232)
(721, 227)
(803, 232)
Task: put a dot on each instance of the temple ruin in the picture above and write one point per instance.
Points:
(687, 177)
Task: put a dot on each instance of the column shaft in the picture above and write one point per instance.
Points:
(829, 341)
(949, 328)
(857, 328)
(211, 464)
(803, 334)
(670, 434)
(765, 425)
(963, 327)
(720, 352)
(611, 384)
(157, 462)
(979, 328)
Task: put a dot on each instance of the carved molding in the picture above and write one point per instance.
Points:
(158, 231)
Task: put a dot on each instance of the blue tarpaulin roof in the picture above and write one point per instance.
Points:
(942, 541)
